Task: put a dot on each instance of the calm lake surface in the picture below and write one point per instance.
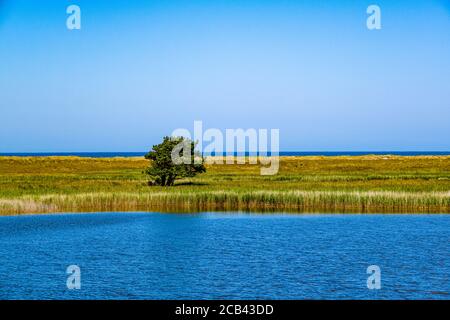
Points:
(224, 256)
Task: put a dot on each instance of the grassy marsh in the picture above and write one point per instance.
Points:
(304, 184)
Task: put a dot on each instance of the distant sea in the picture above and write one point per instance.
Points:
(282, 153)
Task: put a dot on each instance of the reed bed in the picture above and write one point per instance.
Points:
(265, 201)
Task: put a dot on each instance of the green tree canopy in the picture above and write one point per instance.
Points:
(173, 159)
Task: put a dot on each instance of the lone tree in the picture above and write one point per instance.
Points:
(174, 158)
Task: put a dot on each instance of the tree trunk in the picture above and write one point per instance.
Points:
(171, 180)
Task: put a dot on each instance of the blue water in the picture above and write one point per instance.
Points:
(282, 153)
(232, 256)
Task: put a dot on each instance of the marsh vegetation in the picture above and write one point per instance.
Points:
(304, 184)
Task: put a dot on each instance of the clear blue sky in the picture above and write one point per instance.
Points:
(139, 69)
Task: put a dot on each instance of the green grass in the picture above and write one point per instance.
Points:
(304, 184)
